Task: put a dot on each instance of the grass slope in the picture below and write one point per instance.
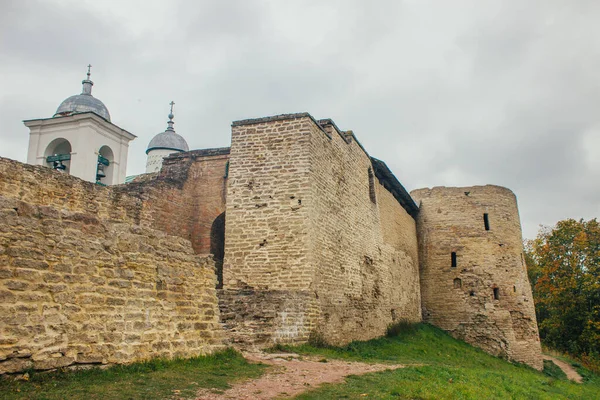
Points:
(155, 379)
(441, 367)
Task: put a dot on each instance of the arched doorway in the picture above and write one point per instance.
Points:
(217, 246)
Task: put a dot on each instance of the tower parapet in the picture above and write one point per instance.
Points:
(473, 276)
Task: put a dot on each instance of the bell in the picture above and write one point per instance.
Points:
(100, 172)
(59, 166)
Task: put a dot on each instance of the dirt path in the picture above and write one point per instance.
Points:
(290, 376)
(567, 368)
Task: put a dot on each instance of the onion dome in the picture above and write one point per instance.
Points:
(168, 140)
(84, 102)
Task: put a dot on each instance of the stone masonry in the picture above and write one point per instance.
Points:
(308, 221)
(293, 232)
(473, 276)
(83, 281)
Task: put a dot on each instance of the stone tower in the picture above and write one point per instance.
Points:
(80, 140)
(473, 276)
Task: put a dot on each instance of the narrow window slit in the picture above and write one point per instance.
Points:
(486, 222)
(372, 186)
(453, 257)
(496, 293)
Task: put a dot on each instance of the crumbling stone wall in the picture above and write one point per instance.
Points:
(485, 299)
(85, 279)
(363, 243)
(301, 225)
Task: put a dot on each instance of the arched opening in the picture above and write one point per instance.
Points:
(217, 246)
(105, 167)
(58, 155)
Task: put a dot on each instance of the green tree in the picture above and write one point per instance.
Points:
(563, 263)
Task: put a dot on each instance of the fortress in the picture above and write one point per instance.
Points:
(293, 232)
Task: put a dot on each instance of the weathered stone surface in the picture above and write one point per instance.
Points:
(486, 299)
(317, 237)
(77, 288)
(301, 222)
(363, 249)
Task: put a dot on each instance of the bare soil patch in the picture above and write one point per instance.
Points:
(290, 375)
(567, 368)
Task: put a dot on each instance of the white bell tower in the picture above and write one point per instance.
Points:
(80, 140)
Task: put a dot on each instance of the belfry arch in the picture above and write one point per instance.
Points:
(58, 155)
(105, 167)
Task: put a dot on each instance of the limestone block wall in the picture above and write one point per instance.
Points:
(363, 243)
(84, 279)
(301, 225)
(267, 232)
(266, 236)
(481, 294)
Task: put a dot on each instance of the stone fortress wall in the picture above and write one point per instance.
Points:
(310, 236)
(86, 279)
(306, 251)
(267, 295)
(363, 245)
(474, 280)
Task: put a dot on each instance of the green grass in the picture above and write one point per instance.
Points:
(440, 367)
(553, 370)
(155, 379)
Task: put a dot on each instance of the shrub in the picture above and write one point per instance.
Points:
(401, 327)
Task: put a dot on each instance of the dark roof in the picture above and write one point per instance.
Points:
(391, 183)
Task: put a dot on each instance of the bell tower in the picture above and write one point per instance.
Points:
(81, 140)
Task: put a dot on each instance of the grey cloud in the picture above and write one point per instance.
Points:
(447, 93)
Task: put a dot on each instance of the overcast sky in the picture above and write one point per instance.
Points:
(447, 93)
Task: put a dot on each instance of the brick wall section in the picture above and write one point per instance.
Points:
(85, 280)
(461, 300)
(186, 197)
(364, 253)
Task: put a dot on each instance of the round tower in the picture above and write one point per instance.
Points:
(163, 144)
(473, 276)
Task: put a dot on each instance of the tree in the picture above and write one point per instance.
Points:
(563, 264)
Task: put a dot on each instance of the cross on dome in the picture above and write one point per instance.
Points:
(170, 122)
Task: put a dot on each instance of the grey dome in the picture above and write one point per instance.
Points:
(84, 102)
(81, 103)
(168, 140)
